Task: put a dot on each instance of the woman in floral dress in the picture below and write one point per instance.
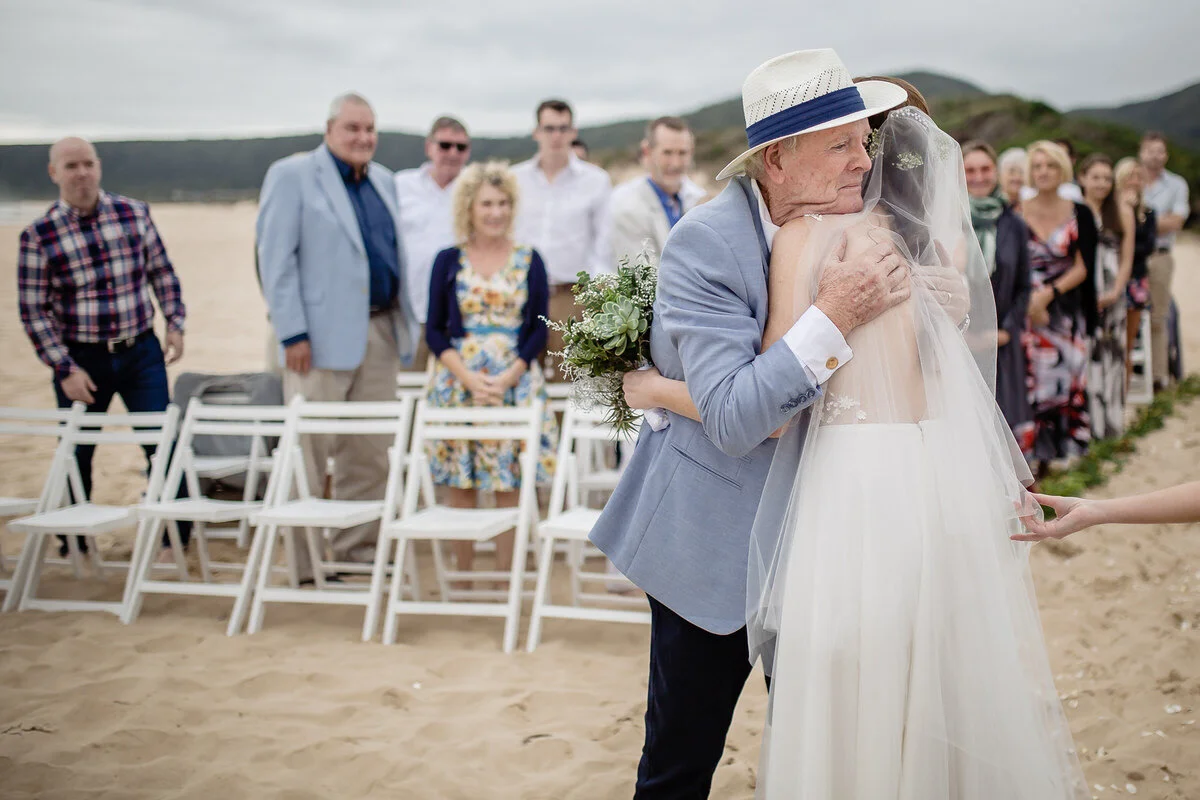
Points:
(1062, 309)
(487, 300)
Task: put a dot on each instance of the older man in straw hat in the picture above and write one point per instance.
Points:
(679, 523)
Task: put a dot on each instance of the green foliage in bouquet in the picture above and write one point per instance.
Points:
(610, 337)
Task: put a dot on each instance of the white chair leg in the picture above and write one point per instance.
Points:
(316, 555)
(439, 568)
(289, 554)
(75, 557)
(378, 573)
(257, 608)
(414, 581)
(545, 564)
(141, 562)
(30, 586)
(177, 550)
(21, 573)
(391, 619)
(200, 537)
(250, 578)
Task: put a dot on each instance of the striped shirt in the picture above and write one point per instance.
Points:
(89, 279)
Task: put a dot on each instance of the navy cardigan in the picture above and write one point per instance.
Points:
(445, 318)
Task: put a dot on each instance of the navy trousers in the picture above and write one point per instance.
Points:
(696, 678)
(139, 376)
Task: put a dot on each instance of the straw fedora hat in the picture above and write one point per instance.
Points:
(804, 92)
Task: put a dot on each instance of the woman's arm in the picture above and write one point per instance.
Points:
(647, 388)
(1129, 233)
(1176, 504)
(785, 303)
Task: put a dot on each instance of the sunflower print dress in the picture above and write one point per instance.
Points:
(492, 312)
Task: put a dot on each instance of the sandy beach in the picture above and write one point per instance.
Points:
(169, 707)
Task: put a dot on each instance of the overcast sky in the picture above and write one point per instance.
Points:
(150, 68)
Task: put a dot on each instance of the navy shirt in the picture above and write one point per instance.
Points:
(672, 205)
(378, 235)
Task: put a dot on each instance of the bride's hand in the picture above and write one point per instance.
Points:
(639, 388)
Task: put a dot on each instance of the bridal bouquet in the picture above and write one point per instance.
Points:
(612, 336)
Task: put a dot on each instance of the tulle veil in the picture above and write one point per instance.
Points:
(919, 366)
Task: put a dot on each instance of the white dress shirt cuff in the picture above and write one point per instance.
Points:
(818, 345)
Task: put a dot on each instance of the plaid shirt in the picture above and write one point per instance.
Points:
(88, 279)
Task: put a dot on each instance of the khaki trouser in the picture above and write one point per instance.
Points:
(1161, 268)
(360, 462)
(562, 307)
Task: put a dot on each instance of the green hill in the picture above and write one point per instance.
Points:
(234, 168)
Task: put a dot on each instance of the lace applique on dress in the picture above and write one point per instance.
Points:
(838, 404)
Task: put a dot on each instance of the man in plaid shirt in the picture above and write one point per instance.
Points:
(85, 274)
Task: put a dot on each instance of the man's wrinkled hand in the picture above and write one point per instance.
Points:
(856, 290)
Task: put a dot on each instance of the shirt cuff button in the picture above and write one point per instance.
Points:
(832, 363)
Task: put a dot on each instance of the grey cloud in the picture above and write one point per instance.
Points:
(210, 67)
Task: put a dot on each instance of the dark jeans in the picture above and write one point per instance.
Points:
(139, 376)
(696, 678)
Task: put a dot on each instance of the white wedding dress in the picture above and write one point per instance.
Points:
(895, 615)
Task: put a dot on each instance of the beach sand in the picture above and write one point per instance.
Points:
(170, 707)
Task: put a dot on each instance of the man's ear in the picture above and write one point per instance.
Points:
(773, 163)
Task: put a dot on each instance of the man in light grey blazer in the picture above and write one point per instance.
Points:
(678, 524)
(646, 208)
(332, 268)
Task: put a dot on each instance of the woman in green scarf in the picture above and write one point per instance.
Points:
(1003, 238)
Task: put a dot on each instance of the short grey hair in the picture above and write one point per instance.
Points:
(339, 102)
(1012, 157)
(756, 169)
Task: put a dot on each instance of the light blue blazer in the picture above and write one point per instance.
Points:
(313, 264)
(678, 524)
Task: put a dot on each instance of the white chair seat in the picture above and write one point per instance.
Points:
(442, 522)
(85, 518)
(599, 481)
(17, 506)
(575, 524)
(317, 513)
(217, 467)
(199, 509)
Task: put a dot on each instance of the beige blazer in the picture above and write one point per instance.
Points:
(638, 219)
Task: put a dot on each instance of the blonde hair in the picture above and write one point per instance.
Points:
(1012, 157)
(1123, 170)
(1057, 155)
(466, 189)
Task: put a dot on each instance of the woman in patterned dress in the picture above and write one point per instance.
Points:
(1062, 309)
(1131, 181)
(487, 300)
(1114, 266)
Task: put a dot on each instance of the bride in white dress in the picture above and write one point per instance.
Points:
(896, 617)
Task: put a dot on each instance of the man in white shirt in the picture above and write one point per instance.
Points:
(563, 213)
(1167, 194)
(426, 215)
(646, 208)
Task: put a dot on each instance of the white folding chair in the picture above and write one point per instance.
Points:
(438, 524)
(1141, 384)
(414, 384)
(558, 397)
(296, 506)
(43, 423)
(257, 424)
(571, 520)
(87, 518)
